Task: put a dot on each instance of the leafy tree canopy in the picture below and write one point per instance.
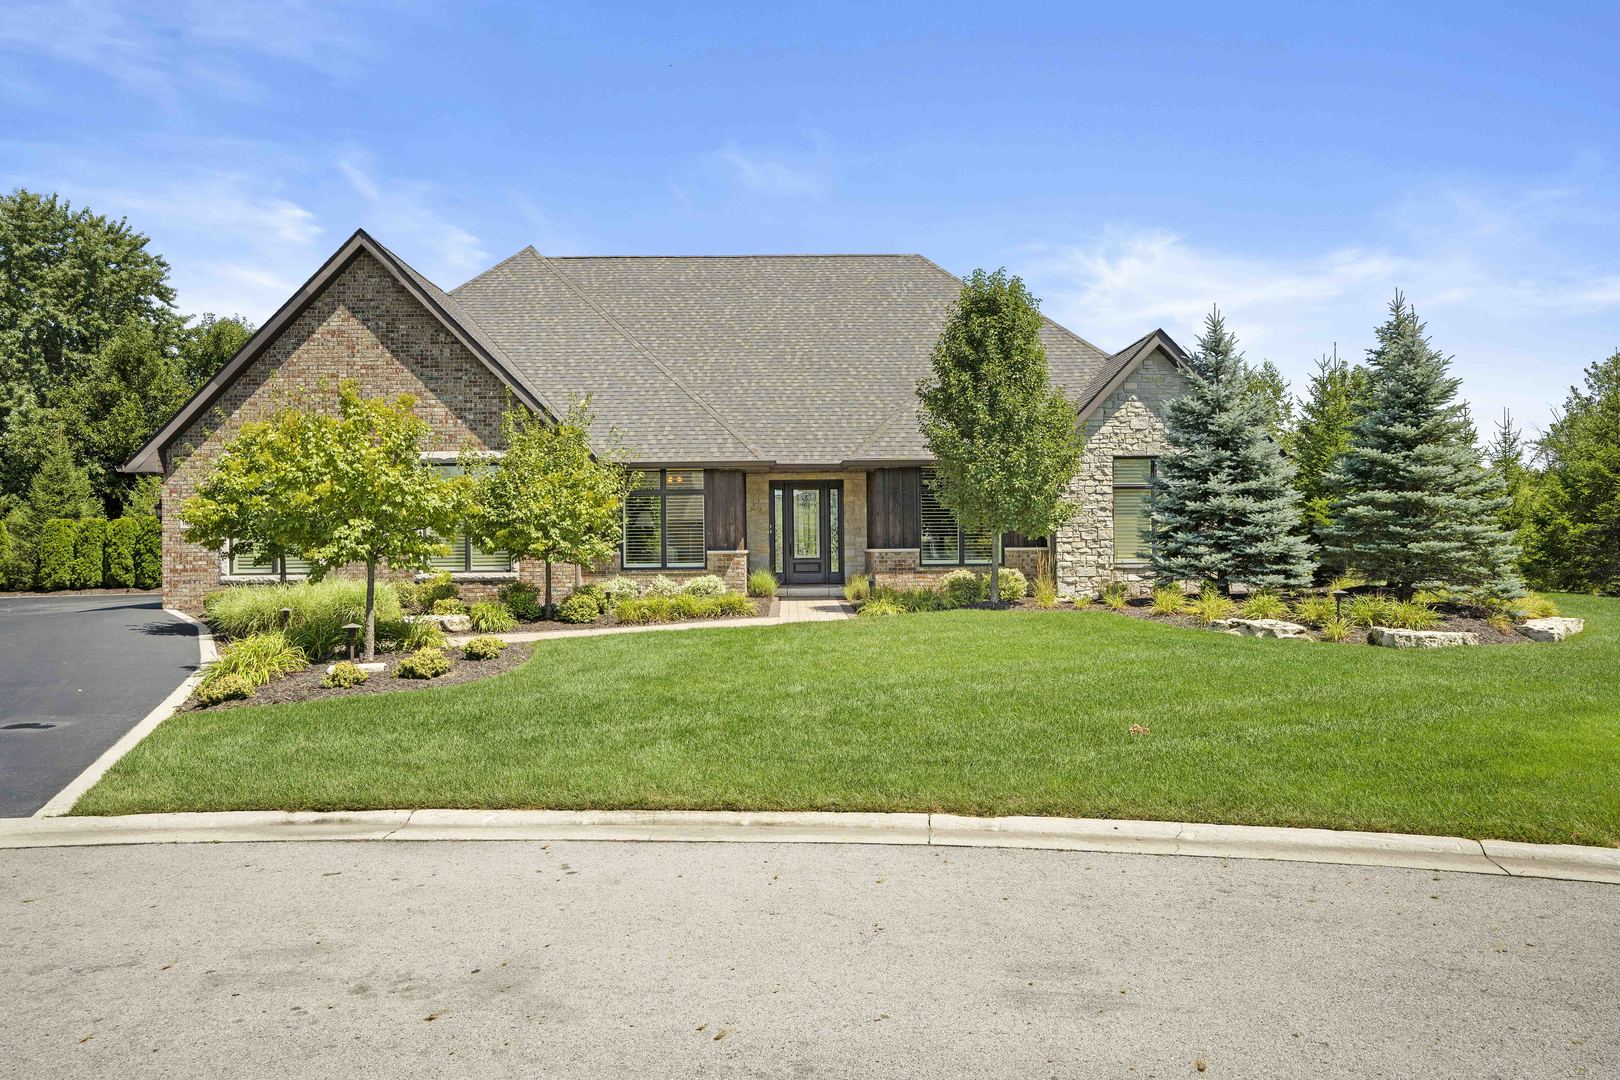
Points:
(1337, 394)
(1006, 443)
(1576, 519)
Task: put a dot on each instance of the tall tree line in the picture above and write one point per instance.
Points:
(94, 358)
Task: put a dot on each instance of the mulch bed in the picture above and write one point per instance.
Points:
(306, 685)
(763, 606)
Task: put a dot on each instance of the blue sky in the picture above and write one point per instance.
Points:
(1295, 163)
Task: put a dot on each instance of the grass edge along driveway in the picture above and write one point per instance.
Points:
(972, 712)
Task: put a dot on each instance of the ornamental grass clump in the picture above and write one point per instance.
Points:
(428, 663)
(1337, 630)
(492, 617)
(258, 658)
(319, 611)
(345, 675)
(1368, 610)
(1168, 600)
(1265, 604)
(449, 606)
(484, 648)
(880, 606)
(761, 583)
(1314, 610)
(1211, 606)
(857, 589)
(421, 634)
(1115, 596)
(1411, 615)
(1044, 591)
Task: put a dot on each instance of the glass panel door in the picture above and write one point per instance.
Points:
(807, 531)
(807, 523)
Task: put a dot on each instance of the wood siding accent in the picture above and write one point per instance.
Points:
(1009, 540)
(727, 527)
(891, 508)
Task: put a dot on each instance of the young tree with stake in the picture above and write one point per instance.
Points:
(1005, 442)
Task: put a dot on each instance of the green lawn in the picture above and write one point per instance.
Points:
(966, 711)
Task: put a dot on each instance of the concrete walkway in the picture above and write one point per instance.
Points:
(711, 961)
(1450, 853)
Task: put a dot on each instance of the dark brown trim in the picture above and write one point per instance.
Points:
(725, 523)
(891, 507)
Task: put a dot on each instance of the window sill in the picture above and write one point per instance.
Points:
(259, 579)
(472, 575)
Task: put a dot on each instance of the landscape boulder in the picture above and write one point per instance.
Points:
(1263, 628)
(1418, 639)
(450, 624)
(1551, 629)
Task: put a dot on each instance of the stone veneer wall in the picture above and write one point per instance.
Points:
(364, 326)
(1130, 423)
(757, 499)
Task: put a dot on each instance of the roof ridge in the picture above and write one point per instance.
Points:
(652, 357)
(882, 429)
(1044, 316)
(485, 273)
(757, 255)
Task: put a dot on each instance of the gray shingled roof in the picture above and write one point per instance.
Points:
(796, 360)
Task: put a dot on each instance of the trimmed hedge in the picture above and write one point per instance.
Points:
(57, 569)
(89, 549)
(121, 535)
(148, 553)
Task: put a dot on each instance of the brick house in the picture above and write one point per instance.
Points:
(769, 402)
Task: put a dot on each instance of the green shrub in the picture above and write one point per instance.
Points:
(1115, 595)
(1013, 585)
(522, 600)
(662, 586)
(963, 587)
(483, 648)
(56, 567)
(761, 583)
(424, 663)
(913, 599)
(449, 606)
(1265, 604)
(492, 617)
(5, 549)
(620, 588)
(1212, 606)
(441, 586)
(421, 634)
(579, 608)
(1337, 630)
(319, 611)
(1314, 610)
(728, 605)
(121, 534)
(877, 607)
(343, 675)
(660, 609)
(706, 585)
(1168, 600)
(857, 589)
(258, 658)
(148, 552)
(89, 553)
(224, 688)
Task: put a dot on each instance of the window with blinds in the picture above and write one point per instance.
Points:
(244, 562)
(465, 557)
(1133, 509)
(664, 522)
(944, 542)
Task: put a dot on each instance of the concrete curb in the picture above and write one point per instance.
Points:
(63, 800)
(1450, 853)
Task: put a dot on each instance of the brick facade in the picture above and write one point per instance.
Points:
(363, 326)
(1130, 423)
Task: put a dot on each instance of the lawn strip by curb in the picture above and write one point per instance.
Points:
(1399, 850)
(63, 800)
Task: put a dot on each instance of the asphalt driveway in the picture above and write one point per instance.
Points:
(76, 672)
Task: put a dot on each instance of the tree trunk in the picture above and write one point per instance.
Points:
(995, 569)
(548, 611)
(371, 609)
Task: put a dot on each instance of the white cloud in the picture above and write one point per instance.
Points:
(775, 175)
(405, 215)
(1498, 277)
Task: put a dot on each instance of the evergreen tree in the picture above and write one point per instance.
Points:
(1005, 441)
(1416, 506)
(1576, 521)
(1506, 456)
(1224, 507)
(1337, 393)
(1267, 383)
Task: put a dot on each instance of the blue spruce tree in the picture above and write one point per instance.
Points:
(1225, 510)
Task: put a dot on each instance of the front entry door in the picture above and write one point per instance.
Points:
(807, 531)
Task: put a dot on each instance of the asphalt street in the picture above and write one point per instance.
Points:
(663, 960)
(76, 672)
